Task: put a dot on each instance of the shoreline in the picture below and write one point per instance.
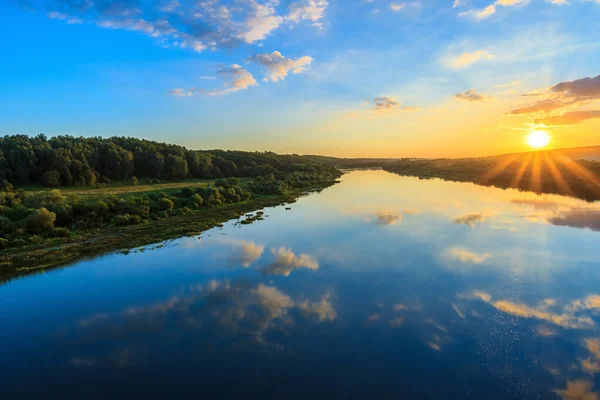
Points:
(63, 252)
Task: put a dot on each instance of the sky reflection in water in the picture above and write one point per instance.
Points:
(381, 286)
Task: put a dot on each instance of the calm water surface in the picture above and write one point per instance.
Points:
(380, 287)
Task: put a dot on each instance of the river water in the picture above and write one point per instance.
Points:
(379, 287)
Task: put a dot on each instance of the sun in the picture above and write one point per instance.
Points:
(538, 139)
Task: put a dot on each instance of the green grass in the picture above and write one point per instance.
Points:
(126, 188)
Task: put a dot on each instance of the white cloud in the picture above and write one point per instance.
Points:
(310, 10)
(479, 15)
(235, 77)
(321, 311)
(278, 66)
(466, 256)
(261, 22)
(179, 92)
(63, 17)
(286, 261)
(471, 96)
(466, 59)
(397, 6)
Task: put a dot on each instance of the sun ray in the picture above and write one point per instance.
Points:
(517, 179)
(498, 168)
(560, 181)
(590, 179)
(535, 185)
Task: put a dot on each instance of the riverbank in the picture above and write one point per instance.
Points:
(63, 251)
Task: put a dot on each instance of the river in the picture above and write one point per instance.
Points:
(379, 287)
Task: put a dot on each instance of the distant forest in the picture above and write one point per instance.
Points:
(549, 171)
(79, 161)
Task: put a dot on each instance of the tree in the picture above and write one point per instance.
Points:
(41, 219)
(51, 178)
(176, 166)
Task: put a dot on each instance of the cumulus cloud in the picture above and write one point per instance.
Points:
(473, 218)
(570, 118)
(564, 94)
(383, 103)
(580, 389)
(466, 256)
(471, 96)
(196, 25)
(242, 252)
(585, 88)
(262, 21)
(236, 78)
(388, 218)
(479, 15)
(465, 59)
(286, 261)
(320, 311)
(309, 10)
(278, 66)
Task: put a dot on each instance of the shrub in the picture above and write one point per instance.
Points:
(60, 232)
(35, 239)
(127, 219)
(54, 197)
(40, 219)
(164, 204)
(134, 180)
(187, 192)
(6, 226)
(196, 200)
(3, 244)
(51, 178)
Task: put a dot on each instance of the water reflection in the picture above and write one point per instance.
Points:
(381, 286)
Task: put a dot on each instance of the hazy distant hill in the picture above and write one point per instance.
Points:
(352, 162)
(575, 153)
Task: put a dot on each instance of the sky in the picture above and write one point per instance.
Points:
(346, 78)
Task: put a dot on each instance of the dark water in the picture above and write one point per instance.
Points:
(380, 287)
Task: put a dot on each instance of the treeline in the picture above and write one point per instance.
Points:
(352, 163)
(78, 161)
(540, 172)
(39, 217)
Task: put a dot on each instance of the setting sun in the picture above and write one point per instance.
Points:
(538, 139)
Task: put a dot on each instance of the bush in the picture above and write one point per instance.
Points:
(60, 232)
(127, 219)
(3, 244)
(40, 219)
(187, 192)
(35, 239)
(6, 226)
(196, 200)
(164, 204)
(134, 180)
(51, 178)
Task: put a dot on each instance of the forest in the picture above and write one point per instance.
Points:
(60, 189)
(540, 172)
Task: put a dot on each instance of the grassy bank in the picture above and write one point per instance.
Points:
(58, 252)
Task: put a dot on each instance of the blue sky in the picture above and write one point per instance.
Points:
(344, 78)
